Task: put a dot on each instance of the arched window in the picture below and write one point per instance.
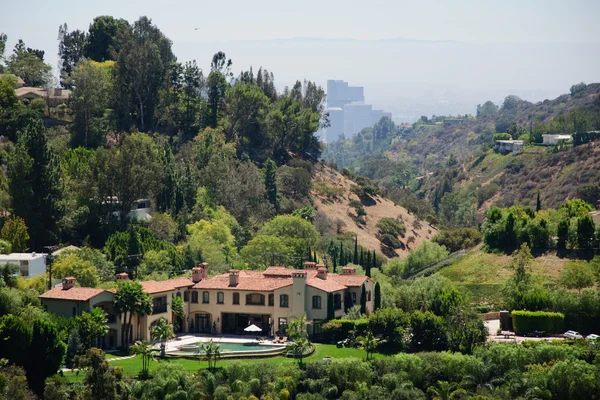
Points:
(353, 298)
(316, 302)
(194, 296)
(255, 299)
(369, 295)
(205, 297)
(236, 298)
(284, 300)
(179, 294)
(186, 296)
(337, 301)
(221, 298)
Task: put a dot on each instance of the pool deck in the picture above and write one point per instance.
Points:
(173, 344)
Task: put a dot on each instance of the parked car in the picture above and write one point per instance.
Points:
(572, 335)
(536, 333)
(592, 336)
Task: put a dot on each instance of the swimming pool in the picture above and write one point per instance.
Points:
(228, 348)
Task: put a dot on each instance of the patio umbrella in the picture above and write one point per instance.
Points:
(253, 328)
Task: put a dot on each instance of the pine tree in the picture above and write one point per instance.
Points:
(538, 204)
(363, 300)
(271, 183)
(377, 299)
(355, 258)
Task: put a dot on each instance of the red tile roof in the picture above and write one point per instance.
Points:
(152, 287)
(73, 294)
(278, 277)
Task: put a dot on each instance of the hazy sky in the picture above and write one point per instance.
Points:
(518, 28)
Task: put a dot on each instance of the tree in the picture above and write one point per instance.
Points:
(8, 96)
(347, 301)
(562, 233)
(178, 308)
(162, 331)
(577, 275)
(143, 349)
(355, 258)
(330, 307)
(363, 299)
(93, 87)
(74, 348)
(131, 299)
(370, 343)
(28, 64)
(297, 328)
(585, 232)
(271, 183)
(34, 185)
(212, 352)
(299, 348)
(538, 203)
(72, 264)
(15, 338)
(295, 232)
(487, 109)
(91, 327)
(102, 42)
(377, 297)
(46, 352)
(100, 378)
(446, 391)
(511, 102)
(14, 231)
(70, 51)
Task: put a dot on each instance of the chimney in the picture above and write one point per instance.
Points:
(310, 265)
(234, 277)
(348, 271)
(196, 274)
(123, 276)
(322, 272)
(68, 282)
(298, 273)
(204, 267)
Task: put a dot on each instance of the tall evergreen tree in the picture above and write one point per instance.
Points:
(362, 258)
(347, 300)
(374, 260)
(34, 185)
(355, 258)
(538, 204)
(335, 261)
(368, 260)
(315, 259)
(377, 298)
(342, 261)
(368, 270)
(271, 183)
(363, 300)
(330, 307)
(134, 250)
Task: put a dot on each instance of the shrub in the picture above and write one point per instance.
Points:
(339, 329)
(458, 239)
(390, 226)
(502, 136)
(390, 241)
(528, 321)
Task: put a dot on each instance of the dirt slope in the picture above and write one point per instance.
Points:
(337, 206)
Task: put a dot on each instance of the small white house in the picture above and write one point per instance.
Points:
(30, 264)
(508, 146)
(549, 140)
(141, 210)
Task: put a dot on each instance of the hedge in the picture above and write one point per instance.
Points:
(528, 321)
(339, 329)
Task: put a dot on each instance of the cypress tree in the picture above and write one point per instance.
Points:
(334, 261)
(315, 256)
(363, 300)
(271, 183)
(342, 263)
(374, 260)
(368, 262)
(347, 300)
(362, 258)
(377, 299)
(368, 270)
(538, 204)
(355, 258)
(330, 308)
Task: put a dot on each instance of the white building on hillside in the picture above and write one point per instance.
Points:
(30, 264)
(549, 140)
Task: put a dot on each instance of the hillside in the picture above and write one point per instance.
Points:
(331, 195)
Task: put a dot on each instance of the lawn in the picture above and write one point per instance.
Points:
(132, 366)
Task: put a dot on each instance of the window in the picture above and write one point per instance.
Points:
(255, 299)
(186, 296)
(74, 311)
(354, 298)
(236, 298)
(205, 297)
(194, 297)
(179, 294)
(284, 300)
(369, 295)
(159, 305)
(337, 301)
(282, 325)
(271, 299)
(316, 302)
(220, 298)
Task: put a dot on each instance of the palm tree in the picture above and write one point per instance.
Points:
(297, 328)
(369, 343)
(162, 331)
(299, 348)
(212, 352)
(131, 299)
(178, 308)
(445, 391)
(143, 349)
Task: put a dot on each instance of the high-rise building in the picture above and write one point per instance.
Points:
(339, 93)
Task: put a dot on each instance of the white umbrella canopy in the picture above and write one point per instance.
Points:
(253, 328)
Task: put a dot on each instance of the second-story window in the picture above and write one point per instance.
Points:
(186, 296)
(316, 302)
(255, 299)
(205, 297)
(337, 301)
(194, 296)
(236, 298)
(284, 300)
(271, 299)
(159, 305)
(220, 298)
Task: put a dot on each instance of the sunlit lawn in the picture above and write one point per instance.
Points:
(132, 366)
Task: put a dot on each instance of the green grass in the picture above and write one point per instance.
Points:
(132, 366)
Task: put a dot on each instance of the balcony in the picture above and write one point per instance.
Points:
(159, 309)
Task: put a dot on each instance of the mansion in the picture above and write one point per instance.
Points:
(227, 303)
